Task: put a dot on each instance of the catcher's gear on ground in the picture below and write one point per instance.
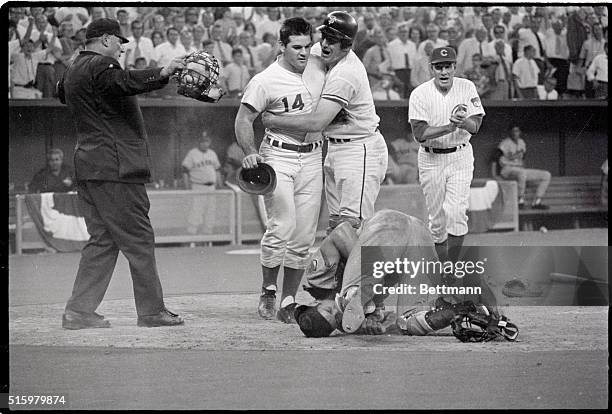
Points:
(340, 25)
(477, 324)
(198, 80)
(259, 180)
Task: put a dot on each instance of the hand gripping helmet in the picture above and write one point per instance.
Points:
(341, 25)
(259, 180)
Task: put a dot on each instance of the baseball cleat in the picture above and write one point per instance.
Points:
(163, 318)
(286, 314)
(267, 304)
(74, 320)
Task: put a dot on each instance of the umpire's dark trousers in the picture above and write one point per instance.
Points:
(116, 215)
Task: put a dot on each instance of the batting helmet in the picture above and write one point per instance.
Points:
(339, 24)
(258, 180)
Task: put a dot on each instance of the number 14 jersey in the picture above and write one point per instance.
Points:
(285, 93)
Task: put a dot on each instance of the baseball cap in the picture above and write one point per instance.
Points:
(104, 26)
(443, 54)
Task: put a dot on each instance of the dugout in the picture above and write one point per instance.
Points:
(567, 138)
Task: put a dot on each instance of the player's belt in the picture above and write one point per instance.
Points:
(443, 150)
(292, 147)
(338, 140)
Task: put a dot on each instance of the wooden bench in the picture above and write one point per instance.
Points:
(576, 198)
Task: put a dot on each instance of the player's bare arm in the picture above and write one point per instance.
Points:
(245, 135)
(315, 121)
(423, 131)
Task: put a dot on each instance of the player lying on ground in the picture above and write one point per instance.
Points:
(346, 299)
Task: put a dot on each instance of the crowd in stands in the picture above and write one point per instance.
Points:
(520, 52)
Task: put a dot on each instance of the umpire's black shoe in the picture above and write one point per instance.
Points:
(286, 314)
(163, 318)
(267, 304)
(76, 320)
(540, 206)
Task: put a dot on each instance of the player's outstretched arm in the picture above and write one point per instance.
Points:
(245, 135)
(315, 121)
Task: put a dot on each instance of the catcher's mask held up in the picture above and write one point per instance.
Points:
(259, 180)
(198, 80)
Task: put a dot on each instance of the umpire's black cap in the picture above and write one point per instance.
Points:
(104, 26)
(311, 322)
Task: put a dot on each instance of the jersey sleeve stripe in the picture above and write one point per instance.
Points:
(335, 98)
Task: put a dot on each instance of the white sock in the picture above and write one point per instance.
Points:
(271, 287)
(287, 301)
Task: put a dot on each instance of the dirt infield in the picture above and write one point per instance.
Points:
(226, 357)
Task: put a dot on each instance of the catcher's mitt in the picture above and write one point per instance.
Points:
(477, 324)
(198, 80)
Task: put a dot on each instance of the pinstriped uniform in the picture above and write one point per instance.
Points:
(293, 208)
(354, 168)
(445, 178)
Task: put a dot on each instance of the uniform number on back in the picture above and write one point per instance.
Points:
(297, 104)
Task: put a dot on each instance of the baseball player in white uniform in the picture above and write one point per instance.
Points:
(200, 172)
(289, 86)
(357, 155)
(444, 113)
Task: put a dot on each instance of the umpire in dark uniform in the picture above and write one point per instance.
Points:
(112, 165)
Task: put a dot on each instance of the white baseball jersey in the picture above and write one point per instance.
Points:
(284, 93)
(292, 209)
(202, 166)
(347, 84)
(428, 104)
(513, 152)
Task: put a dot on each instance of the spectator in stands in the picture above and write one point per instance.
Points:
(471, 46)
(168, 50)
(377, 57)
(178, 22)
(23, 71)
(557, 53)
(592, 47)
(400, 50)
(249, 54)
(138, 46)
(97, 13)
(228, 26)
(201, 173)
(597, 73)
(64, 57)
(44, 37)
(208, 21)
(268, 50)
(511, 160)
(421, 72)
(157, 38)
(488, 23)
(404, 152)
(79, 40)
(271, 22)
(432, 36)
(123, 18)
(547, 91)
(158, 26)
(56, 177)
(198, 35)
(79, 16)
(416, 36)
(382, 90)
(236, 75)
(364, 39)
(187, 41)
(479, 76)
(222, 49)
(525, 72)
(192, 17)
(454, 37)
